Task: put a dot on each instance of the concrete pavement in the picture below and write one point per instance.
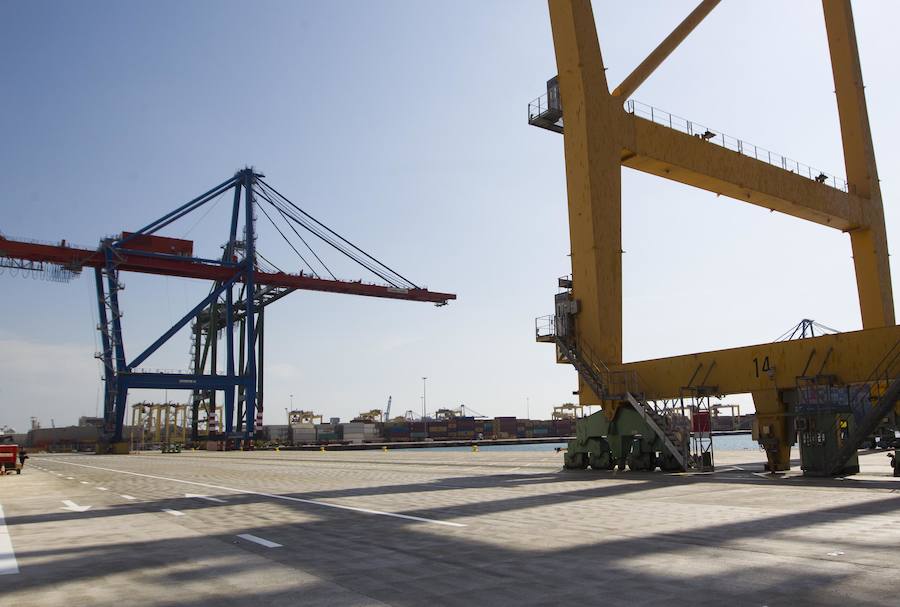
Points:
(441, 528)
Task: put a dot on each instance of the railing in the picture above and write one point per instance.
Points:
(734, 144)
(539, 113)
(58, 243)
(886, 371)
(542, 114)
(613, 382)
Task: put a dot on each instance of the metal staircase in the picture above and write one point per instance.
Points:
(885, 379)
(657, 423)
(616, 385)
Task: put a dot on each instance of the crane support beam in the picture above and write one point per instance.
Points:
(592, 143)
(665, 48)
(689, 159)
(849, 356)
(185, 267)
(870, 248)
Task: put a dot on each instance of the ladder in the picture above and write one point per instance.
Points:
(887, 373)
(604, 383)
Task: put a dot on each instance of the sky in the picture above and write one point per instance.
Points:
(403, 126)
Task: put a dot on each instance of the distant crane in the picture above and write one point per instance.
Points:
(243, 282)
(387, 410)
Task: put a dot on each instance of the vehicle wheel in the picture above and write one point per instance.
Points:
(600, 461)
(575, 461)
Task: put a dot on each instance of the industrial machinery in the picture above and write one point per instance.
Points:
(369, 417)
(9, 459)
(851, 377)
(243, 281)
(568, 411)
(159, 424)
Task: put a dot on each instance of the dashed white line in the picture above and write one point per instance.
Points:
(8, 563)
(101, 489)
(258, 540)
(128, 497)
(84, 482)
(274, 496)
(70, 478)
(173, 512)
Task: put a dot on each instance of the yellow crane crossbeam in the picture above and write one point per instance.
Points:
(671, 154)
(849, 357)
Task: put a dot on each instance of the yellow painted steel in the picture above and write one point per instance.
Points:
(850, 357)
(600, 137)
(869, 241)
(665, 48)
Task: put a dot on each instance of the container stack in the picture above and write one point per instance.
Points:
(417, 431)
(505, 427)
(361, 432)
(462, 428)
(325, 433)
(303, 434)
(397, 432)
(563, 427)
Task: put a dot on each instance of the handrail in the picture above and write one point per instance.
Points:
(539, 109)
(745, 148)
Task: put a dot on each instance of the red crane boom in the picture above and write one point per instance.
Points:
(74, 259)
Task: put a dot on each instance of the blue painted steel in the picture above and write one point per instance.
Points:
(250, 319)
(120, 377)
(229, 357)
(217, 262)
(180, 211)
(182, 322)
(228, 256)
(180, 381)
(109, 374)
(112, 279)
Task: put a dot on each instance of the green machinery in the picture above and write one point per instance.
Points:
(627, 439)
(820, 436)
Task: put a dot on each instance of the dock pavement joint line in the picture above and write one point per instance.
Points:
(8, 563)
(273, 496)
(258, 540)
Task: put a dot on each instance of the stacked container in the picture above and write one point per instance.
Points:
(396, 431)
(361, 432)
(417, 431)
(542, 428)
(505, 427)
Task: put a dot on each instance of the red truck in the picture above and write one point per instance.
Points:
(9, 459)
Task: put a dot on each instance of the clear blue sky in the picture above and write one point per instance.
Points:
(403, 126)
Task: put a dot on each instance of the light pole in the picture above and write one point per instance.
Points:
(424, 419)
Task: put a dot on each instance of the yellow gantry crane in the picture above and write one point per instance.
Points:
(603, 131)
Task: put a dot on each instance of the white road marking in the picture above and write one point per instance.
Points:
(84, 482)
(258, 540)
(173, 512)
(8, 563)
(102, 489)
(205, 497)
(273, 496)
(70, 505)
(128, 497)
(766, 475)
(70, 478)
